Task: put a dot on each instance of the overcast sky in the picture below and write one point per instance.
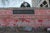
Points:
(13, 3)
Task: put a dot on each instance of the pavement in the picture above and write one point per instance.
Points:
(23, 32)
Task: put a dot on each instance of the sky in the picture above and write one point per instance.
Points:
(13, 3)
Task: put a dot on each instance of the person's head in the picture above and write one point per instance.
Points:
(25, 4)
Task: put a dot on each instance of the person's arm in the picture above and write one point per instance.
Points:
(22, 5)
(28, 5)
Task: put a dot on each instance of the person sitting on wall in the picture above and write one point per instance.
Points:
(25, 4)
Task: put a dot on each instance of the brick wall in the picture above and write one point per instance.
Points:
(40, 18)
